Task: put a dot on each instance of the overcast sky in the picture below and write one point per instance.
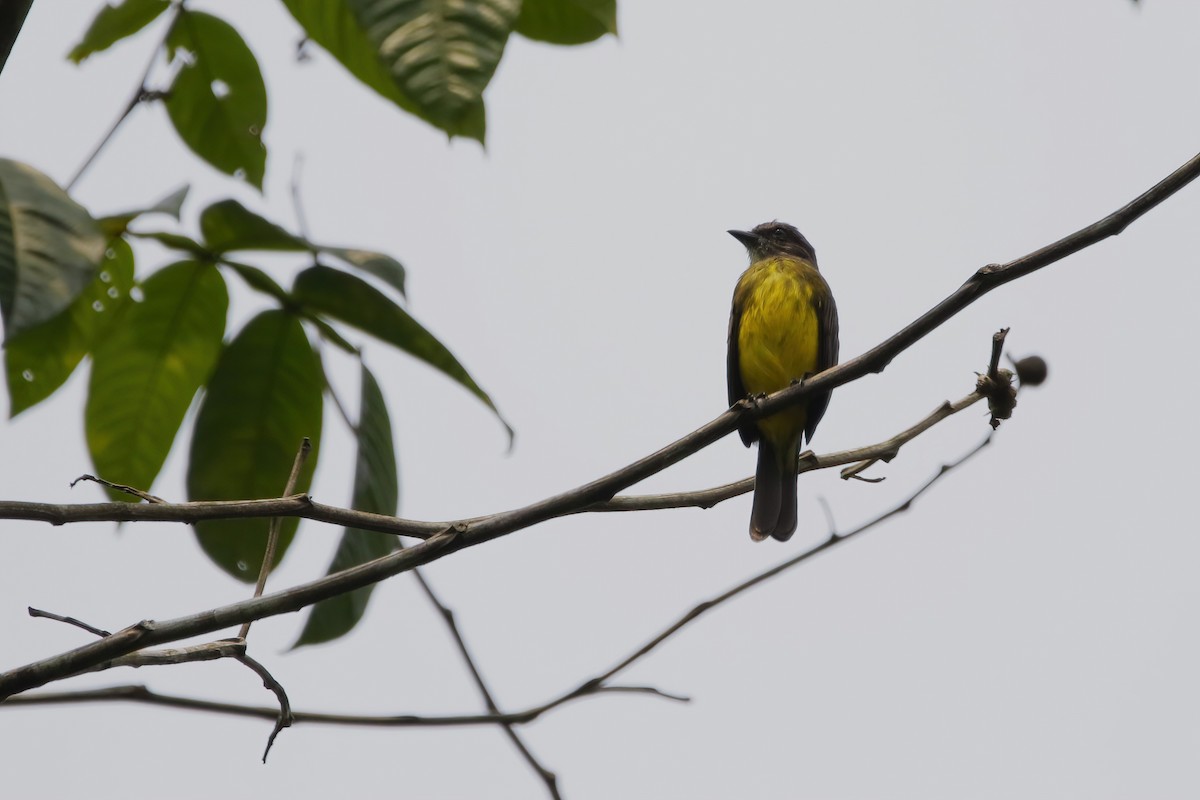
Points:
(1029, 629)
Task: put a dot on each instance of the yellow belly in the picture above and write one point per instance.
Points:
(777, 339)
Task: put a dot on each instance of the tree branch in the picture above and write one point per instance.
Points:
(147, 633)
(593, 686)
(547, 776)
(467, 534)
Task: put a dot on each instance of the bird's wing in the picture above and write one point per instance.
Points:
(827, 355)
(733, 369)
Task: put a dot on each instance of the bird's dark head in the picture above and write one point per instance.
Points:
(775, 239)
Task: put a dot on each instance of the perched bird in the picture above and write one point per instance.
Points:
(783, 327)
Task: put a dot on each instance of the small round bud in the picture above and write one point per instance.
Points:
(1031, 370)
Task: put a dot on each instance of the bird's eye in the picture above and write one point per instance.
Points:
(779, 233)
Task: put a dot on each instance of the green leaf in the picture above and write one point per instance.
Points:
(376, 489)
(115, 23)
(433, 58)
(218, 103)
(147, 370)
(171, 205)
(227, 225)
(567, 21)
(355, 302)
(381, 266)
(261, 402)
(39, 360)
(50, 248)
(176, 241)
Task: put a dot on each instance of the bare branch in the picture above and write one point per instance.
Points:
(37, 612)
(468, 534)
(593, 686)
(297, 505)
(833, 541)
(120, 487)
(138, 693)
(547, 776)
(284, 717)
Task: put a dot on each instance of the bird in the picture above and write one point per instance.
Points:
(783, 327)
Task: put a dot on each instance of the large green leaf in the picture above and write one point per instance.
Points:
(441, 53)
(114, 23)
(567, 21)
(355, 302)
(228, 226)
(50, 248)
(147, 370)
(376, 489)
(262, 400)
(431, 57)
(39, 360)
(218, 103)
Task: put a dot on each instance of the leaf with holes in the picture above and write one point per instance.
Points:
(147, 370)
(262, 400)
(376, 489)
(50, 248)
(354, 301)
(567, 21)
(218, 103)
(39, 360)
(433, 58)
(115, 23)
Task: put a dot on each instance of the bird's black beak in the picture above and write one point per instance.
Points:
(745, 237)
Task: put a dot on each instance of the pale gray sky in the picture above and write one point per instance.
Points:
(1028, 630)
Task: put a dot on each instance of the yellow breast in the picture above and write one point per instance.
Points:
(778, 334)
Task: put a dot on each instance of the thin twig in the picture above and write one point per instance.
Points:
(297, 204)
(140, 95)
(834, 540)
(273, 534)
(138, 693)
(341, 408)
(303, 506)
(447, 615)
(209, 651)
(284, 717)
(463, 535)
(997, 350)
(120, 487)
(37, 612)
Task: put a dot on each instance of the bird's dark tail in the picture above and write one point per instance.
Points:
(774, 511)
